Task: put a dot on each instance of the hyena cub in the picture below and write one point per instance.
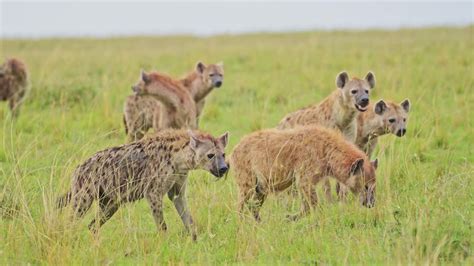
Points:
(13, 84)
(149, 168)
(383, 118)
(338, 110)
(142, 113)
(272, 160)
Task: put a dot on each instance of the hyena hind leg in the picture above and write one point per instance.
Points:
(107, 208)
(254, 201)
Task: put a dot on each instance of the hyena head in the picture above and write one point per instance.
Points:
(394, 116)
(362, 181)
(356, 91)
(210, 153)
(212, 75)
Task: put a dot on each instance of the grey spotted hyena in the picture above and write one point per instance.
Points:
(149, 168)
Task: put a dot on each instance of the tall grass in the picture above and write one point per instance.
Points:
(425, 194)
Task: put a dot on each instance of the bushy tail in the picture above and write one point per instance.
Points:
(63, 200)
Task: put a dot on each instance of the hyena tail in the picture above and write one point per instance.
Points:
(125, 124)
(63, 200)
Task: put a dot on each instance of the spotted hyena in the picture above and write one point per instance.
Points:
(272, 160)
(380, 119)
(339, 110)
(13, 84)
(149, 168)
(142, 113)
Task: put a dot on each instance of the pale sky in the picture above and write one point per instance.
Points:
(59, 19)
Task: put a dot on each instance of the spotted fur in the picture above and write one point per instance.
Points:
(149, 168)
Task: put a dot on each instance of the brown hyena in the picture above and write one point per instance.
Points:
(13, 84)
(272, 160)
(143, 113)
(339, 110)
(149, 168)
(380, 119)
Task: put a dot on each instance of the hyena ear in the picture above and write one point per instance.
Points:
(370, 78)
(341, 79)
(145, 77)
(375, 163)
(357, 166)
(200, 67)
(405, 105)
(380, 107)
(194, 142)
(224, 139)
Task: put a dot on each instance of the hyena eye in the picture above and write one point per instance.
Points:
(211, 75)
(404, 119)
(367, 91)
(353, 91)
(223, 155)
(391, 120)
(210, 155)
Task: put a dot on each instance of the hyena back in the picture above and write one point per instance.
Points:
(149, 168)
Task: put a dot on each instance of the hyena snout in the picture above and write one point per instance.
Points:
(368, 198)
(401, 132)
(217, 81)
(220, 168)
(363, 102)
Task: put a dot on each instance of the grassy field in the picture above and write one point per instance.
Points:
(425, 189)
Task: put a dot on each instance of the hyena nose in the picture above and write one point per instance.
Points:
(364, 102)
(223, 170)
(401, 132)
(218, 83)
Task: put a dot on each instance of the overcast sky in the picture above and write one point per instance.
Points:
(103, 19)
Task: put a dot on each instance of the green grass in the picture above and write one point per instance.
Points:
(425, 196)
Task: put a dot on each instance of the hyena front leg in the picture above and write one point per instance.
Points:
(327, 190)
(177, 195)
(199, 107)
(15, 103)
(309, 198)
(342, 191)
(107, 208)
(155, 199)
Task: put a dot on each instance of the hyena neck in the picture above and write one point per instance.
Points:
(343, 113)
(371, 126)
(196, 86)
(341, 169)
(184, 160)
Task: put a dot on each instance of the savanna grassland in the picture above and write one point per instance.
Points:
(425, 188)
